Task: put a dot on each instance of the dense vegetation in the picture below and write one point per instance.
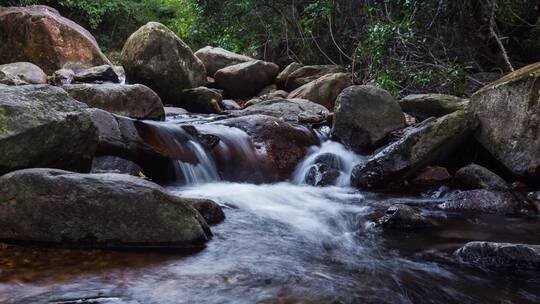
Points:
(405, 46)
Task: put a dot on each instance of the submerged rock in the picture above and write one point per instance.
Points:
(25, 72)
(135, 101)
(323, 90)
(500, 255)
(291, 110)
(424, 106)
(474, 176)
(215, 59)
(482, 201)
(210, 210)
(432, 141)
(156, 57)
(41, 125)
(38, 34)
(246, 79)
(306, 74)
(509, 118)
(403, 217)
(364, 116)
(50, 206)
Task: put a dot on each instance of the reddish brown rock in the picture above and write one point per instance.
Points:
(431, 176)
(39, 34)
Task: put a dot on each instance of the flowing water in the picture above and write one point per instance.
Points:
(280, 243)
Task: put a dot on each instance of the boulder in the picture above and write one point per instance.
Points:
(62, 77)
(114, 164)
(500, 255)
(25, 71)
(42, 126)
(279, 145)
(9, 79)
(481, 201)
(49, 206)
(215, 58)
(38, 34)
(324, 90)
(135, 101)
(474, 176)
(404, 218)
(509, 117)
(156, 57)
(282, 77)
(424, 106)
(432, 176)
(325, 171)
(430, 142)
(246, 79)
(174, 111)
(210, 210)
(364, 116)
(307, 74)
(102, 73)
(291, 110)
(201, 100)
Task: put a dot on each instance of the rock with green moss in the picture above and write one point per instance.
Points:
(509, 114)
(432, 141)
(41, 125)
(57, 207)
(156, 57)
(424, 106)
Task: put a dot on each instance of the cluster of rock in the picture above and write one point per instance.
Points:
(63, 105)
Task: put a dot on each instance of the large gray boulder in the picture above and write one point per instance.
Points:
(299, 76)
(509, 119)
(58, 207)
(135, 101)
(25, 71)
(156, 57)
(500, 255)
(42, 126)
(39, 34)
(432, 141)
(215, 58)
(324, 90)
(364, 116)
(291, 110)
(246, 79)
(424, 106)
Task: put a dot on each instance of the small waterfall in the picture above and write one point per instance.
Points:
(331, 163)
(197, 163)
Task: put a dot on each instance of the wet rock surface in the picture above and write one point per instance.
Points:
(475, 176)
(500, 255)
(482, 201)
(404, 218)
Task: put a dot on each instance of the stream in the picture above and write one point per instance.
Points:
(285, 242)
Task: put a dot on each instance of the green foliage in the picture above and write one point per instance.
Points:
(405, 46)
